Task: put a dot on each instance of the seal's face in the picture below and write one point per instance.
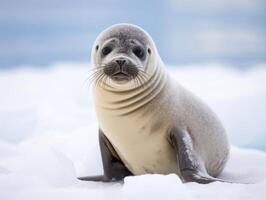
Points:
(121, 53)
(122, 58)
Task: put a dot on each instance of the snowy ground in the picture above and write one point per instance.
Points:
(48, 136)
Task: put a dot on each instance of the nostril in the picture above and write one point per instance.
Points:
(120, 62)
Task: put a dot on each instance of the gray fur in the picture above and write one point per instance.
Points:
(137, 119)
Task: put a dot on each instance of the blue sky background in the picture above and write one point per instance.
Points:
(40, 32)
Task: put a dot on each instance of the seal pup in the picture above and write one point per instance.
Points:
(149, 123)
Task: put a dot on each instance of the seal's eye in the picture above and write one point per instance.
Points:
(138, 51)
(149, 50)
(106, 50)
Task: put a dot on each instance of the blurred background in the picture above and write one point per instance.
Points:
(216, 48)
(40, 32)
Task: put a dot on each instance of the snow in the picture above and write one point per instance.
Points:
(48, 135)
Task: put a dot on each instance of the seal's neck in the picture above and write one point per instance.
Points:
(124, 102)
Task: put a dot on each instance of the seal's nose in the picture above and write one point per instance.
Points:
(120, 62)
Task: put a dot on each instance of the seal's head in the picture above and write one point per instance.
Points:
(122, 54)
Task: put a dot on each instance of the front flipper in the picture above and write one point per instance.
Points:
(114, 169)
(190, 166)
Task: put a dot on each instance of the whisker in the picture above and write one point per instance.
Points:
(141, 80)
(93, 76)
(90, 79)
(98, 80)
(138, 81)
(98, 77)
(105, 80)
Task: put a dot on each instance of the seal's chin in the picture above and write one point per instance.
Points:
(121, 78)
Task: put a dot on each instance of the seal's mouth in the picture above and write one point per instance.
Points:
(120, 77)
(121, 70)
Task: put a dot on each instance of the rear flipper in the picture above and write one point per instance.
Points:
(101, 178)
(190, 166)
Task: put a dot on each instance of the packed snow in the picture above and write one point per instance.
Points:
(48, 135)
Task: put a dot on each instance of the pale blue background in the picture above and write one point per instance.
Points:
(40, 32)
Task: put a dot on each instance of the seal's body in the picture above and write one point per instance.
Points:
(152, 125)
(137, 123)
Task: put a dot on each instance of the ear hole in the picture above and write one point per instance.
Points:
(149, 50)
(97, 47)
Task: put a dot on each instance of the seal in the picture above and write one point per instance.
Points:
(149, 123)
